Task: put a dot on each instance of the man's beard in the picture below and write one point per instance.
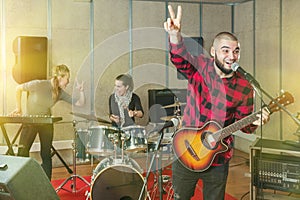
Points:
(221, 66)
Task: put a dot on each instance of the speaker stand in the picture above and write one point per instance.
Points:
(74, 176)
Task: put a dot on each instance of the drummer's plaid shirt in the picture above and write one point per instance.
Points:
(211, 98)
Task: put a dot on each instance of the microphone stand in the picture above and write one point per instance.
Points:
(156, 149)
(296, 120)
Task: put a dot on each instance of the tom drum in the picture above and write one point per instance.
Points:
(135, 138)
(102, 140)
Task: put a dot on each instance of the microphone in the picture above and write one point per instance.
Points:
(236, 67)
(173, 122)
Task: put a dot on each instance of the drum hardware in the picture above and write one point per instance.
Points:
(91, 117)
(177, 103)
(74, 176)
(69, 122)
(167, 187)
(123, 138)
(177, 110)
(167, 118)
(155, 155)
(162, 184)
(153, 138)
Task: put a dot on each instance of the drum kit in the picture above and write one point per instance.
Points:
(117, 175)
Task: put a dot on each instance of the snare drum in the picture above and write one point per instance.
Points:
(102, 140)
(117, 181)
(135, 138)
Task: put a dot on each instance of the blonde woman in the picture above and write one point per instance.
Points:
(41, 97)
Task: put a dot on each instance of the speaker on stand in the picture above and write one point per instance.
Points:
(30, 58)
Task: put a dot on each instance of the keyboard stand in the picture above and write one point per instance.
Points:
(46, 120)
(55, 152)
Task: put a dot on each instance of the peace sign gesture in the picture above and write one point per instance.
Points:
(172, 25)
(79, 86)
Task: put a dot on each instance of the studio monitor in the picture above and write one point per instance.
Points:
(24, 179)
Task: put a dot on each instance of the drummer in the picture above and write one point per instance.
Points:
(124, 104)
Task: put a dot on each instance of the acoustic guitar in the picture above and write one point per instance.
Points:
(196, 147)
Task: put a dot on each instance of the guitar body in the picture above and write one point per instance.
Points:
(189, 141)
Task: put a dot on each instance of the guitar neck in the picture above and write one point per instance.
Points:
(228, 130)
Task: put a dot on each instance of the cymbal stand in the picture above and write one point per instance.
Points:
(177, 109)
(74, 176)
(158, 178)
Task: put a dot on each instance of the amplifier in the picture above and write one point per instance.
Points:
(158, 98)
(278, 172)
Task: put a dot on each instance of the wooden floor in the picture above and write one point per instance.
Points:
(238, 184)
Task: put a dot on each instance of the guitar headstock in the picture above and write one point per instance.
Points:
(284, 99)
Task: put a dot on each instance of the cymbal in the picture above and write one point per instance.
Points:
(154, 138)
(174, 105)
(91, 118)
(70, 122)
(168, 118)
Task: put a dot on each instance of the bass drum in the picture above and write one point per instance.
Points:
(117, 181)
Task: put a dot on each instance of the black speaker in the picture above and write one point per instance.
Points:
(23, 179)
(158, 98)
(30, 58)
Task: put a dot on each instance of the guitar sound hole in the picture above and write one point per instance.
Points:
(208, 140)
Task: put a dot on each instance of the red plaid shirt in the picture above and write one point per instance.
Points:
(211, 98)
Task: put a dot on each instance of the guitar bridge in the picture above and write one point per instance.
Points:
(191, 150)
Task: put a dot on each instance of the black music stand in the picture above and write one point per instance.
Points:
(74, 176)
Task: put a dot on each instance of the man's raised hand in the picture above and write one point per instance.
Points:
(173, 23)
